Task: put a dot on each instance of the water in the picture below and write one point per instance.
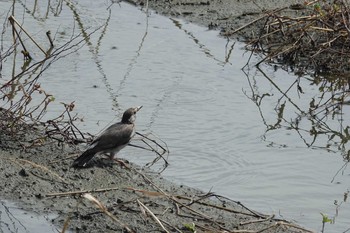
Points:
(198, 100)
(13, 219)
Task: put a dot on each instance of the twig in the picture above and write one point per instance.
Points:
(252, 22)
(165, 150)
(81, 192)
(104, 209)
(257, 221)
(277, 224)
(181, 204)
(146, 192)
(153, 216)
(25, 52)
(11, 18)
(48, 34)
(218, 207)
(66, 223)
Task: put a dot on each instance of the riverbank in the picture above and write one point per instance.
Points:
(238, 19)
(108, 198)
(300, 36)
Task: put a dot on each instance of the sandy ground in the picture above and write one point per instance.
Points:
(39, 176)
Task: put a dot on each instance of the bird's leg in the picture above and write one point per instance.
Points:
(121, 162)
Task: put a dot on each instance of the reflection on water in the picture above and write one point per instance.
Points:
(318, 118)
(264, 137)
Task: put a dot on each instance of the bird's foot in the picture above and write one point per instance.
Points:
(122, 163)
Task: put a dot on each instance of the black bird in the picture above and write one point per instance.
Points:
(112, 140)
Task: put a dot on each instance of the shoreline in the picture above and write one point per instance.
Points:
(241, 20)
(107, 197)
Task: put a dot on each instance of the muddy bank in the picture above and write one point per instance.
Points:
(302, 37)
(227, 16)
(39, 178)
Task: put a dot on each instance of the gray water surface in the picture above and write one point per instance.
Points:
(14, 219)
(197, 99)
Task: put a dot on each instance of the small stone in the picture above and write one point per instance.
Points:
(23, 173)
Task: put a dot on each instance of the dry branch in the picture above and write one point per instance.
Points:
(12, 19)
(317, 40)
(81, 192)
(104, 210)
(152, 214)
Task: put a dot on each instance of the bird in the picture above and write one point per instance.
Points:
(112, 140)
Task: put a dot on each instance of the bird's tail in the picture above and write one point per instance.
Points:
(84, 158)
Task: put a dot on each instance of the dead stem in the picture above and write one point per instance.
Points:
(257, 221)
(175, 199)
(79, 192)
(12, 19)
(104, 210)
(306, 42)
(230, 33)
(148, 141)
(152, 214)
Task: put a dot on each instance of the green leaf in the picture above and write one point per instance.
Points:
(325, 218)
(191, 227)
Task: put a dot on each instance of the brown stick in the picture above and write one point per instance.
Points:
(11, 18)
(80, 192)
(250, 23)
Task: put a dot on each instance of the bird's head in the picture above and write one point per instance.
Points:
(129, 115)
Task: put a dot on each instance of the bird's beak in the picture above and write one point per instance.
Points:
(138, 108)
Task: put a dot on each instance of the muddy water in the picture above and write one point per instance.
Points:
(197, 99)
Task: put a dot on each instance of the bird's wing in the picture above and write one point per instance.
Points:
(115, 135)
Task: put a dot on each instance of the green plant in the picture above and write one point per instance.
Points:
(190, 226)
(325, 219)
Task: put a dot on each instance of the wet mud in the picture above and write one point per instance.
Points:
(106, 197)
(237, 19)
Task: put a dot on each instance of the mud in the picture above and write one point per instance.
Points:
(36, 172)
(254, 22)
(233, 18)
(39, 178)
